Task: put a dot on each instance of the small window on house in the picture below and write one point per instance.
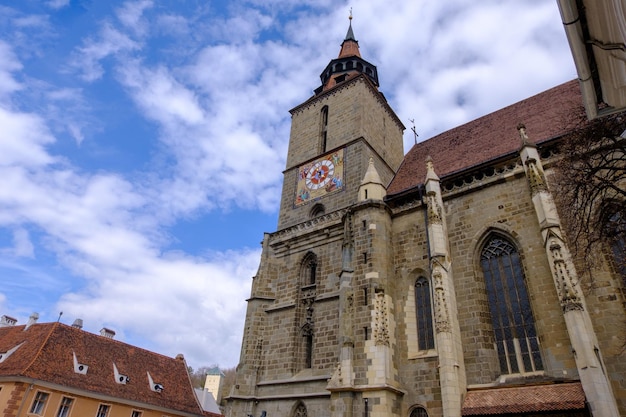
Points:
(423, 310)
(136, 413)
(39, 403)
(103, 410)
(64, 407)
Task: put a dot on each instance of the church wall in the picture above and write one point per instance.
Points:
(605, 295)
(505, 207)
(356, 118)
(354, 111)
(356, 161)
(607, 308)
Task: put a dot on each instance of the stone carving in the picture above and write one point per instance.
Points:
(300, 411)
(442, 320)
(434, 210)
(381, 325)
(307, 327)
(568, 294)
(536, 178)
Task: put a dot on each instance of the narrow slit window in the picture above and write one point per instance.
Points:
(423, 310)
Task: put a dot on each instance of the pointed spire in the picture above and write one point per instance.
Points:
(372, 187)
(349, 46)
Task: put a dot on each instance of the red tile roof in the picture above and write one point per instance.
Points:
(545, 116)
(46, 353)
(554, 397)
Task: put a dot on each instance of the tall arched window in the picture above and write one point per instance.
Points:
(309, 269)
(513, 324)
(323, 128)
(423, 311)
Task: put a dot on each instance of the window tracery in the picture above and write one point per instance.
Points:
(517, 343)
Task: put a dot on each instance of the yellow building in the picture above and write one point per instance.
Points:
(56, 370)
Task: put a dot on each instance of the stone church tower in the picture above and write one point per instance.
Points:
(437, 283)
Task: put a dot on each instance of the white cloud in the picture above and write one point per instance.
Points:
(109, 42)
(8, 64)
(57, 4)
(160, 95)
(23, 139)
(23, 246)
(131, 15)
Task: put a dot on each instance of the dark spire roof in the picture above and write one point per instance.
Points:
(350, 34)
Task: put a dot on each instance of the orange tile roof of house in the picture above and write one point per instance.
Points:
(487, 138)
(46, 353)
(531, 399)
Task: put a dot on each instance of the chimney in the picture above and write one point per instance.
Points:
(6, 321)
(107, 333)
(32, 320)
(78, 323)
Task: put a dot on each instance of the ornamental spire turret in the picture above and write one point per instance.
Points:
(348, 64)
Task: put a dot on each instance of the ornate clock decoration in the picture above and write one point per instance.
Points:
(320, 177)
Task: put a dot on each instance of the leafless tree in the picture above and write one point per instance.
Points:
(591, 188)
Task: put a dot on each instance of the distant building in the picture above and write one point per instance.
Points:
(207, 401)
(56, 370)
(213, 383)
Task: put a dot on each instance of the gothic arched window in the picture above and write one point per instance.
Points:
(300, 410)
(513, 325)
(423, 310)
(323, 128)
(419, 412)
(317, 210)
(309, 269)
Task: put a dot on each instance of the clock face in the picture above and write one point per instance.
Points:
(320, 174)
(320, 177)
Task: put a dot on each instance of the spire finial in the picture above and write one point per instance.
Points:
(350, 17)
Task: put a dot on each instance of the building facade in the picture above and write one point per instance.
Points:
(436, 283)
(56, 370)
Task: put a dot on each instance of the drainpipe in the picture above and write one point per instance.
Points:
(571, 18)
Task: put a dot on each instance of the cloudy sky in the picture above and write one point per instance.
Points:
(142, 142)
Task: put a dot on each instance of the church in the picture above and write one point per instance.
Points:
(439, 283)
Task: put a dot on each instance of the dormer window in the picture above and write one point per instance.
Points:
(79, 368)
(155, 386)
(120, 378)
(5, 355)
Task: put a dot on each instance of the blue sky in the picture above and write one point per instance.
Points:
(142, 143)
